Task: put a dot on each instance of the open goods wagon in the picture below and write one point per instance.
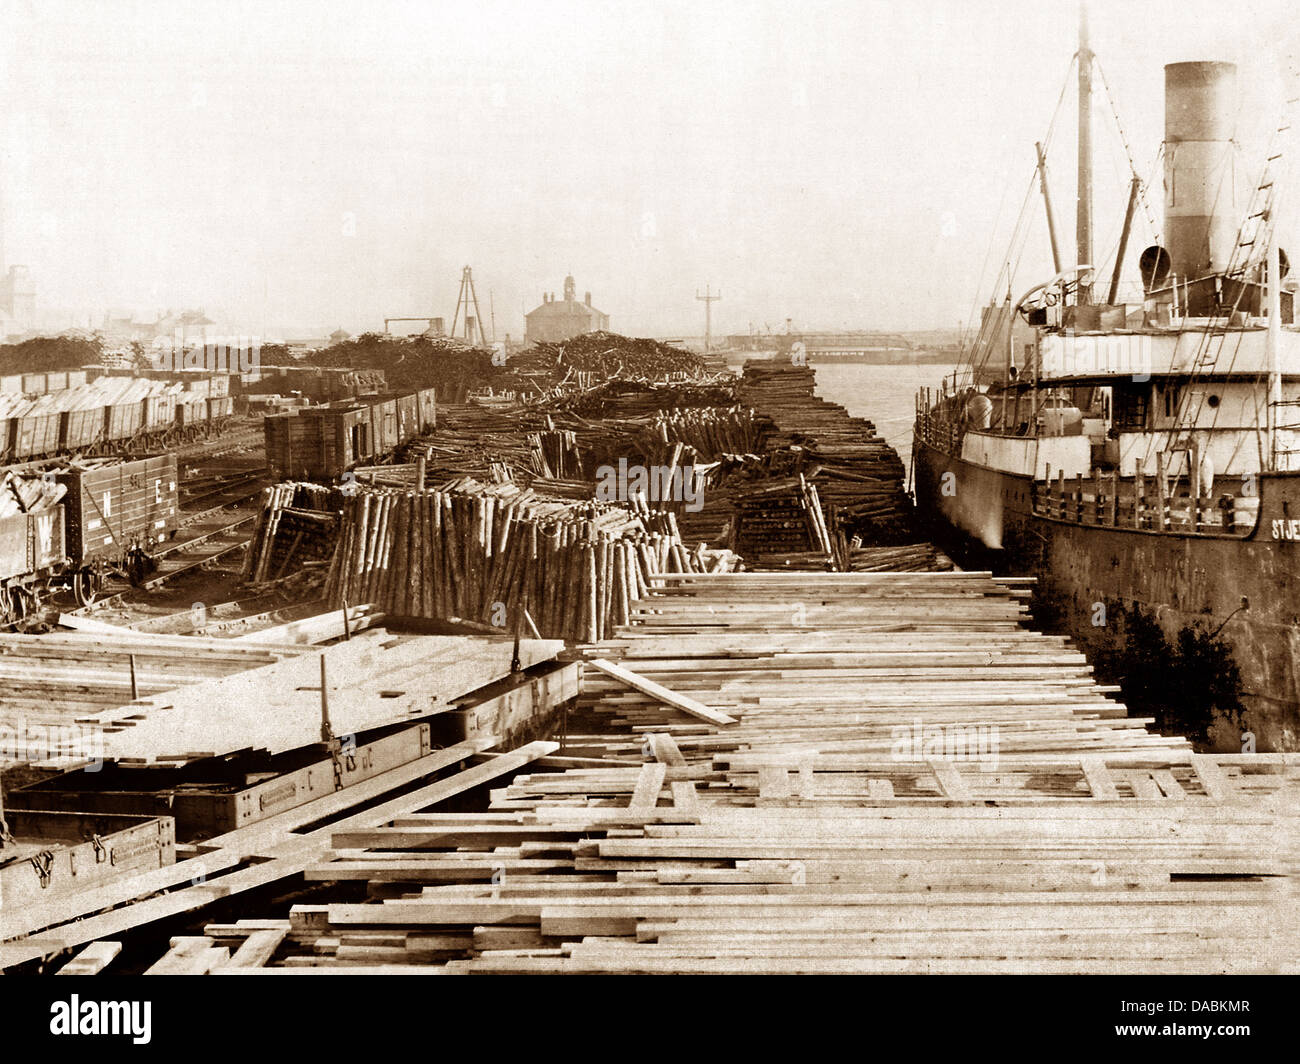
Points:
(111, 519)
(152, 423)
(322, 442)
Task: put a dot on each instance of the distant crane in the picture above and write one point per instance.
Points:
(708, 299)
(465, 298)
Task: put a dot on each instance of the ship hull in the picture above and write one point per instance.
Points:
(1094, 580)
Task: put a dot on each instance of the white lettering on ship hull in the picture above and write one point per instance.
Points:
(1284, 528)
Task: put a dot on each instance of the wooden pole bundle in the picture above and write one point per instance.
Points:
(297, 524)
(478, 552)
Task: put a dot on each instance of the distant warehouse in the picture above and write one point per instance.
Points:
(562, 319)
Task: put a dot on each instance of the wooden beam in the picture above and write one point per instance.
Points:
(657, 691)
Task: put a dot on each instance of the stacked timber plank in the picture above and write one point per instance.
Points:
(56, 686)
(501, 555)
(487, 443)
(269, 851)
(855, 558)
(762, 780)
(375, 679)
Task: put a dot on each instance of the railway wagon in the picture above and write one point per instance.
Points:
(123, 421)
(318, 442)
(34, 435)
(116, 514)
(383, 420)
(220, 406)
(426, 402)
(191, 416)
(323, 442)
(82, 430)
(31, 547)
(408, 416)
(159, 412)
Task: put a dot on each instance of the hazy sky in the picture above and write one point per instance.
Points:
(294, 165)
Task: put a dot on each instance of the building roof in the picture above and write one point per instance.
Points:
(565, 307)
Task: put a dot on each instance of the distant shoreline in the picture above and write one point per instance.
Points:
(918, 358)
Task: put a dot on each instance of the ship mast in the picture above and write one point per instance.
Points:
(1083, 221)
(1274, 342)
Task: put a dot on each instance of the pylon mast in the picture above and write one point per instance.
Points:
(466, 298)
(708, 299)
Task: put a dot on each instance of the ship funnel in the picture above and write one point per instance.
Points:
(1202, 213)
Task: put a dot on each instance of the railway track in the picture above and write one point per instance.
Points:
(217, 494)
(221, 487)
(210, 538)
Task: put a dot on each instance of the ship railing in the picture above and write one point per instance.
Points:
(1148, 503)
(933, 425)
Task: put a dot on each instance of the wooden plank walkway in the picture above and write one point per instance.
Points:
(837, 825)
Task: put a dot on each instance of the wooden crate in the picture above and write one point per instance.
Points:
(60, 853)
(211, 798)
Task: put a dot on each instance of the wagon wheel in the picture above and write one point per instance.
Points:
(86, 586)
(24, 602)
(8, 614)
(138, 566)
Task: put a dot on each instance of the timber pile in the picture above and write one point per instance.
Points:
(501, 555)
(768, 785)
(621, 399)
(26, 494)
(912, 558)
(858, 476)
(296, 527)
(479, 442)
(606, 355)
(453, 367)
(55, 686)
(258, 693)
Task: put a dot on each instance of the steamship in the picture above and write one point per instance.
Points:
(1142, 458)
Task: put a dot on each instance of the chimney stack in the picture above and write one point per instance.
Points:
(1202, 211)
(588, 299)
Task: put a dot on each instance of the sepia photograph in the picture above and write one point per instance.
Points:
(716, 488)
